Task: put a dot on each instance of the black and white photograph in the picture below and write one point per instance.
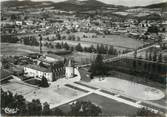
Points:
(74, 58)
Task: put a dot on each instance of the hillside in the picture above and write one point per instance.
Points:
(159, 5)
(69, 5)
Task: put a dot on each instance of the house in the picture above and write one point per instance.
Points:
(38, 72)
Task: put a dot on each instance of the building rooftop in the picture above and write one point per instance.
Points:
(56, 57)
(53, 56)
(38, 68)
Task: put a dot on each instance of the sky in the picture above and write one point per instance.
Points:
(121, 2)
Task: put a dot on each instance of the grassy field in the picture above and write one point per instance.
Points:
(116, 40)
(17, 49)
(109, 107)
(120, 42)
(20, 49)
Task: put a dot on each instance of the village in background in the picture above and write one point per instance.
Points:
(83, 58)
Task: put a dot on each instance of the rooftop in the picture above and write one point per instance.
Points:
(55, 56)
(38, 68)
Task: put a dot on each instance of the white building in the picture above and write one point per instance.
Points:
(38, 72)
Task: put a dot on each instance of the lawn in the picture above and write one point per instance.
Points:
(109, 107)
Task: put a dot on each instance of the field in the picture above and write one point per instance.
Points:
(17, 49)
(116, 40)
(128, 88)
(109, 107)
(120, 42)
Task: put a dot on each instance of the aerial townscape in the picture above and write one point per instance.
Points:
(83, 58)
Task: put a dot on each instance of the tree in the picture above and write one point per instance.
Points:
(57, 112)
(160, 58)
(153, 29)
(98, 68)
(134, 65)
(146, 112)
(150, 57)
(9, 39)
(155, 56)
(146, 56)
(111, 50)
(21, 104)
(66, 46)
(58, 36)
(5, 63)
(34, 108)
(44, 82)
(58, 46)
(84, 108)
(79, 47)
(46, 109)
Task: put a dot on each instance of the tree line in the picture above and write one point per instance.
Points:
(32, 41)
(100, 49)
(149, 70)
(9, 39)
(153, 56)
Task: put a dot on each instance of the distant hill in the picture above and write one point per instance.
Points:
(27, 3)
(159, 5)
(79, 5)
(68, 5)
(74, 5)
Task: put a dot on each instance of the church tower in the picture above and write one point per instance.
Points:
(69, 69)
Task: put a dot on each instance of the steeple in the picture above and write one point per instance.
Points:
(69, 63)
